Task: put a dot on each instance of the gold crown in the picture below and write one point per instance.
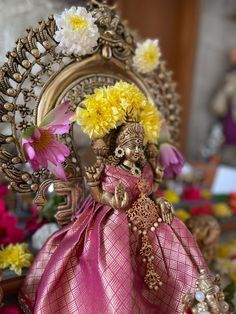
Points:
(131, 131)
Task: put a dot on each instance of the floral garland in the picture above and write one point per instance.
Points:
(109, 107)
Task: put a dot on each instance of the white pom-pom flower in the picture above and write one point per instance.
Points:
(77, 32)
(147, 56)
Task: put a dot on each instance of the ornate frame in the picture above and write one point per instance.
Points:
(36, 78)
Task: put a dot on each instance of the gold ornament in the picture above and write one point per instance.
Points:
(206, 230)
(208, 296)
(130, 132)
(119, 152)
(143, 216)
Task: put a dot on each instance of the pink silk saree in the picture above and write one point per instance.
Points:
(93, 266)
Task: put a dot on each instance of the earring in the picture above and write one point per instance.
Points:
(119, 152)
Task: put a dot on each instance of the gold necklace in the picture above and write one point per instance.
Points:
(134, 170)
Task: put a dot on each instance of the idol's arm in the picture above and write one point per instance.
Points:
(117, 200)
(158, 177)
(165, 207)
(158, 171)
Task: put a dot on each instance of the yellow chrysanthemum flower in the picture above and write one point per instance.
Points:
(224, 261)
(109, 107)
(206, 194)
(222, 210)
(15, 257)
(171, 196)
(132, 100)
(224, 251)
(150, 118)
(147, 56)
(182, 214)
(227, 266)
(99, 115)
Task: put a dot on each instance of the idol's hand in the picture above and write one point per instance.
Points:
(120, 198)
(166, 209)
(93, 174)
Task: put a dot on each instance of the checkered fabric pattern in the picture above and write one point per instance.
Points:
(93, 265)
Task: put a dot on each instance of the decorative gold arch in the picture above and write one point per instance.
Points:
(36, 78)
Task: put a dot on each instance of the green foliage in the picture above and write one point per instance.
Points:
(221, 198)
(50, 209)
(229, 292)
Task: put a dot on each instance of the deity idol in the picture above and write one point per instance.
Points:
(124, 251)
(121, 250)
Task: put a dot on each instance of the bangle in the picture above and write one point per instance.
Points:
(157, 180)
(93, 183)
(159, 172)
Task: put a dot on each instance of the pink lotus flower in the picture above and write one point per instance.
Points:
(41, 146)
(171, 160)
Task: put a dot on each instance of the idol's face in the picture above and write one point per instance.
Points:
(133, 150)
